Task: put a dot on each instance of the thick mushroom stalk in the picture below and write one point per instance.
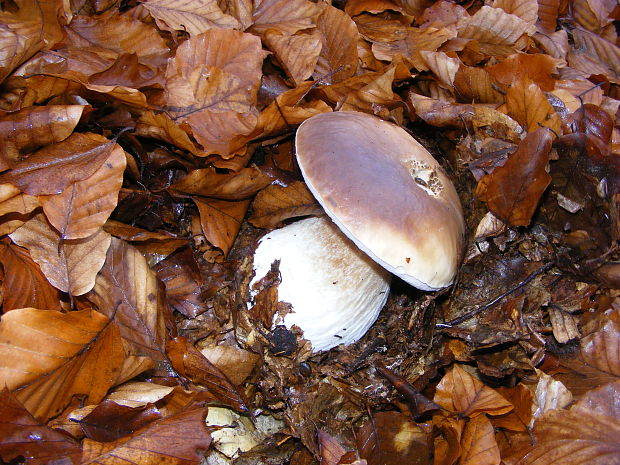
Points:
(386, 193)
(335, 290)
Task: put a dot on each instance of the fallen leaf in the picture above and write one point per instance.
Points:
(23, 436)
(527, 10)
(275, 204)
(297, 53)
(192, 17)
(13, 201)
(592, 14)
(221, 220)
(34, 127)
(285, 16)
(338, 58)
(127, 291)
(478, 443)
(512, 191)
(47, 357)
(53, 168)
(526, 103)
(208, 182)
(176, 440)
(23, 283)
(138, 394)
(189, 362)
(600, 51)
(536, 68)
(236, 363)
(331, 450)
(460, 392)
(224, 132)
(442, 66)
(548, 15)
(71, 265)
(160, 126)
(84, 206)
(519, 418)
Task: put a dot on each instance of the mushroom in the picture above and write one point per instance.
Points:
(386, 194)
(335, 290)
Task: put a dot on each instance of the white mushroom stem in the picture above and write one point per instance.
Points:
(335, 290)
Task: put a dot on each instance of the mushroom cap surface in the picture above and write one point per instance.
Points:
(335, 290)
(386, 193)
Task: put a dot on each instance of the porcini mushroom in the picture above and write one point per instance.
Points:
(336, 291)
(386, 192)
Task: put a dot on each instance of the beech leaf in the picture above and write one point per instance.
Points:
(221, 220)
(47, 357)
(297, 53)
(176, 440)
(478, 445)
(512, 191)
(276, 203)
(285, 16)
(526, 103)
(70, 266)
(234, 186)
(193, 17)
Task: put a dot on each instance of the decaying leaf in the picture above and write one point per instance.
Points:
(47, 357)
(221, 220)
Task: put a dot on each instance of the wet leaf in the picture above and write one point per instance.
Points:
(84, 206)
(22, 435)
(70, 266)
(23, 283)
(189, 362)
(331, 450)
(176, 440)
(460, 392)
(47, 357)
(126, 290)
(512, 191)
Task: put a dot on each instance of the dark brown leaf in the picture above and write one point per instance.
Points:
(221, 220)
(512, 191)
(234, 186)
(277, 203)
(110, 421)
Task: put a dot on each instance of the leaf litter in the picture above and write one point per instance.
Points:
(146, 146)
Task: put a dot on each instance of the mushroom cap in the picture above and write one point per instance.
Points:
(335, 290)
(386, 193)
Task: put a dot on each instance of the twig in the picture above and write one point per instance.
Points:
(482, 308)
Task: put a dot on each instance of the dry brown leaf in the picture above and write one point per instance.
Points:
(234, 186)
(47, 357)
(285, 16)
(527, 10)
(512, 191)
(297, 53)
(13, 201)
(600, 51)
(276, 203)
(593, 15)
(70, 266)
(586, 434)
(241, 10)
(193, 17)
(493, 28)
(375, 97)
(527, 104)
(37, 126)
(601, 347)
(218, 70)
(175, 440)
(138, 394)
(442, 66)
(115, 34)
(338, 58)
(83, 207)
(236, 363)
(52, 169)
(476, 85)
(221, 220)
(478, 445)
(225, 133)
(190, 363)
(126, 290)
(160, 126)
(537, 68)
(23, 283)
(519, 418)
(548, 15)
(330, 449)
(462, 393)
(555, 43)
(17, 430)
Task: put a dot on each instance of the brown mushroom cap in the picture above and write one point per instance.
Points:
(386, 193)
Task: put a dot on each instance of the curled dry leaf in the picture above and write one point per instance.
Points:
(478, 445)
(138, 394)
(84, 206)
(189, 362)
(537, 68)
(600, 51)
(586, 434)
(297, 53)
(37, 126)
(127, 291)
(477, 85)
(176, 440)
(18, 427)
(234, 186)
(23, 283)
(601, 348)
(71, 265)
(276, 203)
(592, 14)
(338, 58)
(519, 418)
(512, 191)
(527, 10)
(193, 17)
(225, 132)
(53, 168)
(460, 392)
(284, 16)
(236, 363)
(221, 220)
(160, 126)
(526, 103)
(555, 44)
(442, 66)
(47, 357)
